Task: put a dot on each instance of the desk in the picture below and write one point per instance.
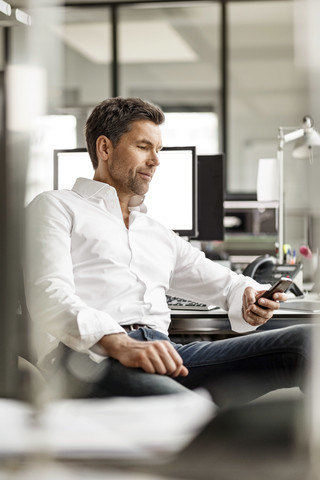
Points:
(216, 322)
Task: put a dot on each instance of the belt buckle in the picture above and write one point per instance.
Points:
(134, 326)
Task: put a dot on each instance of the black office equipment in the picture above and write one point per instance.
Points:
(261, 268)
(265, 269)
(245, 218)
(172, 195)
(210, 197)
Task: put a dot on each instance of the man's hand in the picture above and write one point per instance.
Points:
(153, 357)
(256, 315)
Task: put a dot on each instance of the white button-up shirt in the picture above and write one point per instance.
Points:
(87, 274)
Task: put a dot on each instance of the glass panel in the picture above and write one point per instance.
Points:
(18, 103)
(170, 56)
(85, 35)
(1, 48)
(72, 50)
(267, 88)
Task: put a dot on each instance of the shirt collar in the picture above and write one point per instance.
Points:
(87, 188)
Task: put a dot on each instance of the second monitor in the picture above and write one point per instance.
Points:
(210, 197)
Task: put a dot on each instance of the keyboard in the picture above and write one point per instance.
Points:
(175, 303)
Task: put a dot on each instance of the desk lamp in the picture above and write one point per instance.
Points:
(306, 137)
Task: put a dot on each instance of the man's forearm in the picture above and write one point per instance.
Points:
(113, 344)
(153, 357)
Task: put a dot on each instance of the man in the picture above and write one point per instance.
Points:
(99, 269)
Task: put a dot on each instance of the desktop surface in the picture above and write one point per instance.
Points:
(191, 322)
(310, 303)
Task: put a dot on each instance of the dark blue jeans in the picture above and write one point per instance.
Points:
(234, 370)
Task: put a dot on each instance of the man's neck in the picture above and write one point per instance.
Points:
(124, 205)
(124, 199)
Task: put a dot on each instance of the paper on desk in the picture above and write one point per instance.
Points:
(130, 428)
(15, 420)
(309, 303)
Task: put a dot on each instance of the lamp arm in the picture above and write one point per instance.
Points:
(281, 207)
(283, 139)
(289, 137)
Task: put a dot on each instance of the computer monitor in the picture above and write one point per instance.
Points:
(172, 195)
(210, 197)
(69, 164)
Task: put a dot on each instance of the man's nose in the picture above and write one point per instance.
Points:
(154, 159)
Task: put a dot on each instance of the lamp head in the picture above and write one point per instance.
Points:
(311, 138)
(307, 122)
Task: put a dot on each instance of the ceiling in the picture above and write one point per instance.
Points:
(38, 3)
(28, 5)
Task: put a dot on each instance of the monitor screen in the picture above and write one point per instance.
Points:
(172, 195)
(210, 197)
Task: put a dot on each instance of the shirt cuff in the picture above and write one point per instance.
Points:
(92, 325)
(237, 322)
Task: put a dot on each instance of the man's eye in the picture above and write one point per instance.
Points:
(142, 147)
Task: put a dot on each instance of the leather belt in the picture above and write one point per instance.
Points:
(133, 326)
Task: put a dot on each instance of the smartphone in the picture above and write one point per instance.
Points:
(281, 285)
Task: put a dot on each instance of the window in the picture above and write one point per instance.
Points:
(267, 87)
(199, 129)
(170, 55)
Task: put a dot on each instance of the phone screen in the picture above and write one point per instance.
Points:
(281, 285)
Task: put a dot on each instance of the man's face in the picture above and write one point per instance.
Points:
(132, 163)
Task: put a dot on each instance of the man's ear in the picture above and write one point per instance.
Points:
(103, 146)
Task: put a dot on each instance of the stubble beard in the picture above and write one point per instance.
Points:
(138, 186)
(129, 180)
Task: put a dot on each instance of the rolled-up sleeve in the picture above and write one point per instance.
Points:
(212, 283)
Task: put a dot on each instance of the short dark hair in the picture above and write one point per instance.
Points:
(113, 117)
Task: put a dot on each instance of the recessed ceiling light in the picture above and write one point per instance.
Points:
(23, 17)
(5, 8)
